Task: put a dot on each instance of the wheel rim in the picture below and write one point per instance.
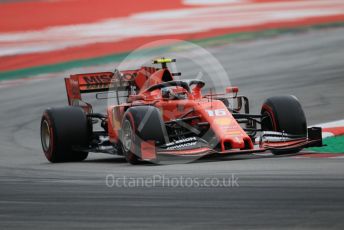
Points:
(45, 135)
(127, 135)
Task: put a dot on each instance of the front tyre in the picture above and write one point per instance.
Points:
(284, 114)
(62, 130)
(141, 124)
(130, 142)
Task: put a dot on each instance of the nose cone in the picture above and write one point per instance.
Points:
(238, 142)
(235, 142)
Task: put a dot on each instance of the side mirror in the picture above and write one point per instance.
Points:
(232, 89)
(196, 90)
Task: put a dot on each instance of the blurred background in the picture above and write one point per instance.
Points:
(45, 36)
(266, 47)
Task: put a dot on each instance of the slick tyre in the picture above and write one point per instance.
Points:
(142, 123)
(284, 114)
(130, 142)
(62, 130)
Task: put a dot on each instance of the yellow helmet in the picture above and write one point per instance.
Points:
(163, 60)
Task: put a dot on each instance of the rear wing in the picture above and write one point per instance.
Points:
(78, 84)
(87, 83)
(94, 82)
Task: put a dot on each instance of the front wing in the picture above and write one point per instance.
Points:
(269, 141)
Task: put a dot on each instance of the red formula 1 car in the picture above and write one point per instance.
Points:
(151, 115)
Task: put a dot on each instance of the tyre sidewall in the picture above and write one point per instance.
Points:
(133, 155)
(69, 127)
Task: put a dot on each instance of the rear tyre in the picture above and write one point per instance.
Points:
(62, 130)
(284, 114)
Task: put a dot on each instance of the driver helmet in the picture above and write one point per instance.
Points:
(169, 94)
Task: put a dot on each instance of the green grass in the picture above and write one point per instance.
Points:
(334, 145)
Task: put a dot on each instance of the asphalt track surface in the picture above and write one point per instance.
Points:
(271, 192)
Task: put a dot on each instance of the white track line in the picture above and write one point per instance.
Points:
(168, 22)
(332, 124)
